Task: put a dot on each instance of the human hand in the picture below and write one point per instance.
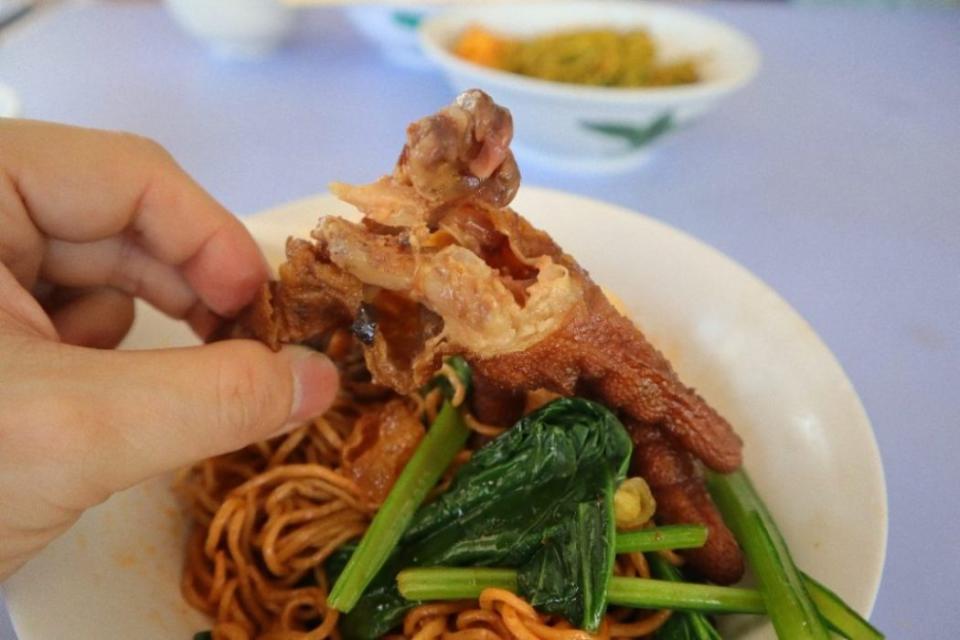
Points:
(88, 221)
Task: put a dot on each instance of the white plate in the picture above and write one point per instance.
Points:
(809, 445)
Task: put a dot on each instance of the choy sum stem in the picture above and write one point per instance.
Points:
(450, 583)
(683, 625)
(453, 583)
(447, 583)
(789, 605)
(642, 593)
(469, 583)
(678, 536)
(837, 614)
(443, 441)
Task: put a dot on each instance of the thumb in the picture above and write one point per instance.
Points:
(154, 411)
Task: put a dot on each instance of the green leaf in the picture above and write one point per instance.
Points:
(687, 626)
(635, 136)
(537, 499)
(563, 576)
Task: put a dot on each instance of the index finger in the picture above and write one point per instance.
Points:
(84, 185)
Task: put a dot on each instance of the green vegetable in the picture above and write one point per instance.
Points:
(644, 593)
(452, 583)
(337, 561)
(688, 625)
(682, 625)
(427, 583)
(837, 614)
(789, 605)
(538, 499)
(203, 635)
(443, 441)
(677, 536)
(445, 583)
(576, 552)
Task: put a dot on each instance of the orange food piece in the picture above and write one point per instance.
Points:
(379, 447)
(482, 47)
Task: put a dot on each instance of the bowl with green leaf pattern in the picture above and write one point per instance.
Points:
(569, 72)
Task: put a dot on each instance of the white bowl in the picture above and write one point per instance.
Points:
(596, 127)
(235, 28)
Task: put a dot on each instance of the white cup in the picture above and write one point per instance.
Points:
(235, 28)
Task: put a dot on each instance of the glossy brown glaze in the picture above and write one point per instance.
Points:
(682, 498)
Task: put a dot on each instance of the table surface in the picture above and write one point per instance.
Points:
(835, 177)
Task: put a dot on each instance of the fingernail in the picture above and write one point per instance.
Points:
(315, 384)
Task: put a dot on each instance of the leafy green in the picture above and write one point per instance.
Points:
(538, 499)
(688, 625)
(337, 561)
(682, 625)
(203, 635)
(569, 573)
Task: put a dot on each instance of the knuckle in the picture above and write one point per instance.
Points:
(250, 393)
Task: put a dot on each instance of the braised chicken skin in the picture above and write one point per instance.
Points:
(440, 265)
